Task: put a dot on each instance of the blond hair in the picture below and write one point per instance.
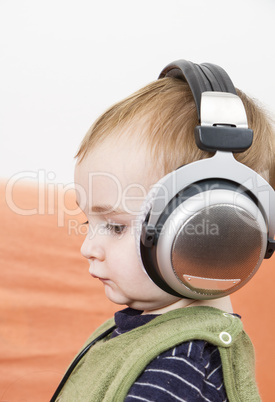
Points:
(164, 115)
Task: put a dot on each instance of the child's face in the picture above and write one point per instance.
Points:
(111, 183)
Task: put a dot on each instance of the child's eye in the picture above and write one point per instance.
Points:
(85, 223)
(115, 228)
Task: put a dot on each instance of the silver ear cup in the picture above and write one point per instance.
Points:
(211, 244)
(189, 207)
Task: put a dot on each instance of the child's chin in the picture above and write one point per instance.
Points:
(116, 297)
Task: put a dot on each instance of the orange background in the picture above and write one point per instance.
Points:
(49, 304)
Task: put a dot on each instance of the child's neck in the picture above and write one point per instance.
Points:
(223, 303)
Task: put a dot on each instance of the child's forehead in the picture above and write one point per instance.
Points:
(127, 158)
(116, 172)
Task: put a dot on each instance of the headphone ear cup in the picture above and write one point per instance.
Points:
(209, 240)
(211, 244)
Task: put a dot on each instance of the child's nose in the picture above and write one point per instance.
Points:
(91, 248)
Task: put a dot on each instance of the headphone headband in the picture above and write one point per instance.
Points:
(212, 79)
(200, 78)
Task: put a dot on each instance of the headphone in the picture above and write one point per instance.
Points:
(206, 227)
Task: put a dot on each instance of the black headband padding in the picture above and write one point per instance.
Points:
(215, 86)
(200, 78)
(221, 77)
(184, 70)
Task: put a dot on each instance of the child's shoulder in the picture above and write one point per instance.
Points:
(190, 368)
(197, 356)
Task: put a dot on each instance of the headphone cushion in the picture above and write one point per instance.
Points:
(143, 213)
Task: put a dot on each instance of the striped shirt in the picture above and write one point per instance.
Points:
(191, 371)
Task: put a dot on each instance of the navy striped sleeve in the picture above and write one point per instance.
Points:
(189, 372)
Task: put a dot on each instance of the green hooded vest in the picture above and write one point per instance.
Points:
(111, 366)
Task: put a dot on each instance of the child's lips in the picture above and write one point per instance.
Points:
(93, 275)
(101, 279)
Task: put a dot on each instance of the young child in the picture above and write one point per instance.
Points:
(162, 347)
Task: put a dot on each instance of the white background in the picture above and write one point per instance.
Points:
(63, 62)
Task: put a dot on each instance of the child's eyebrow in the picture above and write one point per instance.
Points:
(107, 209)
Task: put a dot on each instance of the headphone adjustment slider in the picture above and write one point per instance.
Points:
(148, 234)
(270, 248)
(223, 138)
